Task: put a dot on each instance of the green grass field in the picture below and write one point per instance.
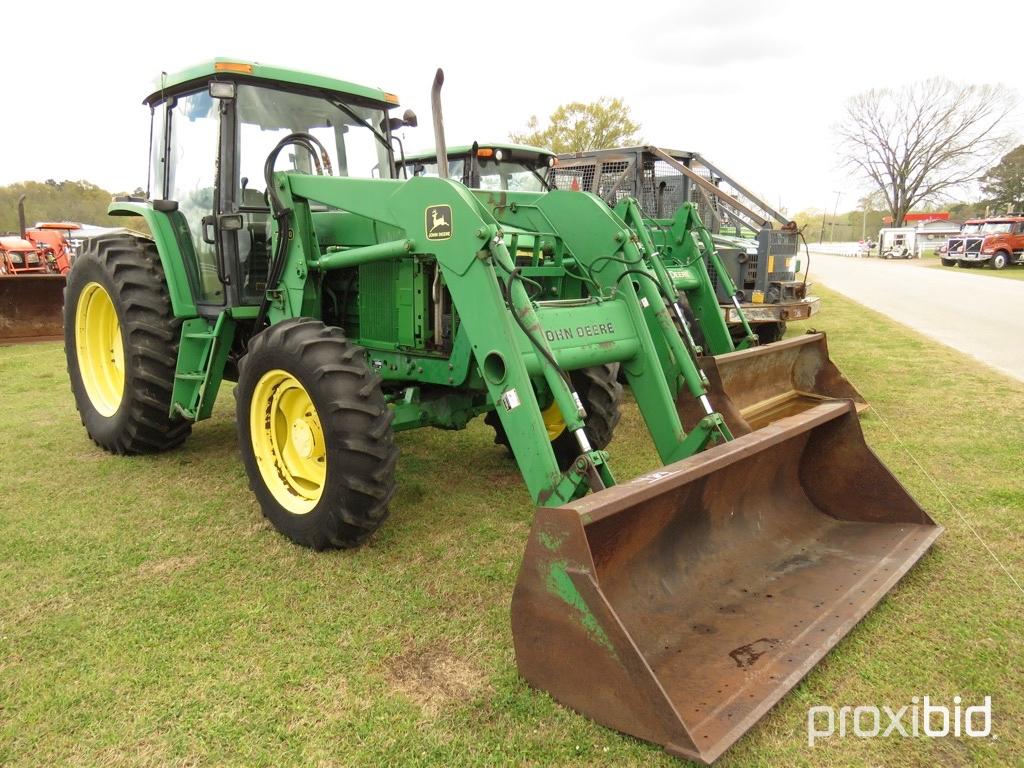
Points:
(1011, 272)
(149, 616)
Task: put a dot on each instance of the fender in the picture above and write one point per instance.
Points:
(174, 244)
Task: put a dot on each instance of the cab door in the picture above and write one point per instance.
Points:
(192, 180)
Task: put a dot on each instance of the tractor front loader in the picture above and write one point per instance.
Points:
(659, 192)
(749, 390)
(751, 385)
(30, 293)
(350, 305)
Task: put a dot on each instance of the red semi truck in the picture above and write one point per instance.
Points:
(997, 241)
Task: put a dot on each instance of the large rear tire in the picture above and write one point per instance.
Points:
(600, 393)
(315, 434)
(121, 344)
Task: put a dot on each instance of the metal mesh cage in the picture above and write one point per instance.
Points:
(662, 189)
(578, 177)
(615, 181)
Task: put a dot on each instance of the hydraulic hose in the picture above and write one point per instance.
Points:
(280, 213)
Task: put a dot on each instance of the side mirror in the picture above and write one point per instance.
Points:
(226, 222)
(408, 119)
(230, 222)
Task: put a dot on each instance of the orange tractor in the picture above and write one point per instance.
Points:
(32, 268)
(19, 256)
(51, 239)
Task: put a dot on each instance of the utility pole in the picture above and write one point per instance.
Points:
(835, 212)
(821, 236)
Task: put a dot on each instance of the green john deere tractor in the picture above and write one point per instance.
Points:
(749, 382)
(350, 305)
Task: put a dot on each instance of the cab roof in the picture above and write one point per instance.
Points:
(465, 149)
(238, 69)
(678, 154)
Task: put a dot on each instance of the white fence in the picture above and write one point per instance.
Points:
(838, 249)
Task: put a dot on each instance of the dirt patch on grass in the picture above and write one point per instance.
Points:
(435, 677)
(167, 566)
(36, 610)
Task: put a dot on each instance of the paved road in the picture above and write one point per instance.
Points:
(972, 312)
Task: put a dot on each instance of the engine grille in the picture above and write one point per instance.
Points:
(378, 318)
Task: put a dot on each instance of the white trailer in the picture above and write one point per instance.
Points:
(898, 243)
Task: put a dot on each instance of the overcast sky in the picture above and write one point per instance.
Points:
(754, 86)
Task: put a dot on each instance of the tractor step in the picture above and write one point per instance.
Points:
(201, 357)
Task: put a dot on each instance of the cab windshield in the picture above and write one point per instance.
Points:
(971, 229)
(511, 176)
(996, 227)
(352, 134)
(495, 175)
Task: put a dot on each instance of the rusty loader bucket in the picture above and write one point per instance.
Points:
(754, 387)
(31, 308)
(679, 607)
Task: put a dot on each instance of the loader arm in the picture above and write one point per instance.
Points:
(480, 275)
(686, 225)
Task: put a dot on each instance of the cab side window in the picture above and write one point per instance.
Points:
(191, 179)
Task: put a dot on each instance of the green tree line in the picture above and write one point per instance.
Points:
(77, 201)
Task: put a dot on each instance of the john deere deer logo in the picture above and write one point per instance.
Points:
(439, 222)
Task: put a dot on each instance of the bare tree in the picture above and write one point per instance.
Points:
(918, 143)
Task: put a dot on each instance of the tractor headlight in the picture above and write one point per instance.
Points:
(498, 155)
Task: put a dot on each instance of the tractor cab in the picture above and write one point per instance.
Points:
(491, 167)
(214, 127)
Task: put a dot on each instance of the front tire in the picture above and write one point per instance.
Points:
(948, 262)
(999, 260)
(315, 434)
(769, 333)
(600, 392)
(121, 344)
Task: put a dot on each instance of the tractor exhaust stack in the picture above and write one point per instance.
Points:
(435, 108)
(22, 227)
(680, 607)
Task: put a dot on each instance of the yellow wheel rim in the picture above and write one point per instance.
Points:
(100, 349)
(288, 441)
(553, 421)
